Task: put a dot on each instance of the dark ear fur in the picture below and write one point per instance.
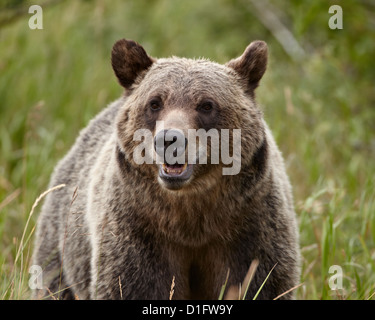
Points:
(252, 64)
(129, 59)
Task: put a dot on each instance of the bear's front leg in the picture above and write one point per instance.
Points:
(124, 267)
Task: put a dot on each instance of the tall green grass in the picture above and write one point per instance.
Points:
(320, 109)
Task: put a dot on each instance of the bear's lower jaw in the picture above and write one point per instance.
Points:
(174, 177)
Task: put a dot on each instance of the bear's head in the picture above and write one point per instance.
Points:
(188, 123)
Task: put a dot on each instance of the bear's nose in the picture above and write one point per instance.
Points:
(172, 141)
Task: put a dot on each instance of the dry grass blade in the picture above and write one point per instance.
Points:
(233, 294)
(249, 277)
(119, 283)
(23, 243)
(172, 289)
(52, 295)
(373, 294)
(20, 249)
(290, 290)
(10, 198)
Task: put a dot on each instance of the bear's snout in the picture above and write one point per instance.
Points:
(170, 145)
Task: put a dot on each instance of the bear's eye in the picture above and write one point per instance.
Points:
(155, 105)
(206, 106)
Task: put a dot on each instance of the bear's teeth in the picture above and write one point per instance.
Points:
(174, 170)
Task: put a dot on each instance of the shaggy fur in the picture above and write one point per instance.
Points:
(117, 231)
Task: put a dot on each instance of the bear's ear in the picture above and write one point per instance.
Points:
(129, 59)
(252, 64)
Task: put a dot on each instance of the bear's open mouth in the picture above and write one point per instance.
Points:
(175, 176)
(174, 169)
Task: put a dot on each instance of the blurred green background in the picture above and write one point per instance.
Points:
(317, 95)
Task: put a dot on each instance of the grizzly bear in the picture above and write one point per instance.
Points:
(124, 226)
